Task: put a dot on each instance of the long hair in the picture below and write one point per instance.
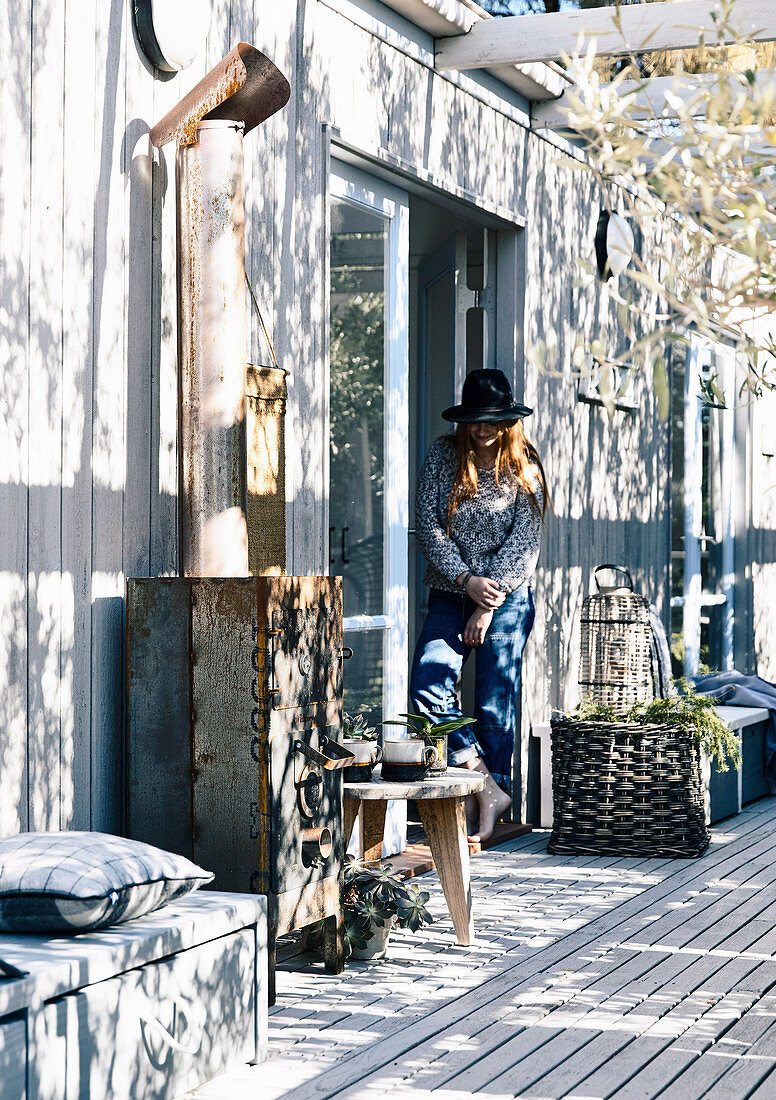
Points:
(516, 459)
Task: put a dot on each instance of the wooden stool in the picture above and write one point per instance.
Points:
(440, 801)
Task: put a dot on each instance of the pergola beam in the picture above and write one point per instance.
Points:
(612, 32)
(650, 96)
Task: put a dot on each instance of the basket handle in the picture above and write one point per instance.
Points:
(617, 569)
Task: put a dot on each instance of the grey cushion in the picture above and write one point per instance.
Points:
(79, 882)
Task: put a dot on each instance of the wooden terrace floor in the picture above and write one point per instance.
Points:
(590, 978)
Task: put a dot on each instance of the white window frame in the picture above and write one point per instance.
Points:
(352, 185)
(694, 599)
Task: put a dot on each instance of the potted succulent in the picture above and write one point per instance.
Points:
(373, 900)
(433, 734)
(360, 740)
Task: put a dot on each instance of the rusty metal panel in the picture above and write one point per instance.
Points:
(296, 908)
(265, 431)
(230, 763)
(159, 713)
(254, 800)
(305, 798)
(306, 637)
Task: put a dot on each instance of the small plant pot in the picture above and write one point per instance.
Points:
(367, 754)
(439, 767)
(377, 944)
(407, 760)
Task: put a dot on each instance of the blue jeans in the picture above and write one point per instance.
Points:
(439, 658)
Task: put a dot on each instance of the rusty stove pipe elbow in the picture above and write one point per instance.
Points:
(239, 93)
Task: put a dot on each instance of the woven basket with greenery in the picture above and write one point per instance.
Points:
(626, 790)
(634, 787)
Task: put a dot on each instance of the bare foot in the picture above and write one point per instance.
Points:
(492, 802)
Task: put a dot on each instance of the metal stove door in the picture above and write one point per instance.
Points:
(306, 665)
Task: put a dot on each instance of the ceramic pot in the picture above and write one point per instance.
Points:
(377, 944)
(439, 767)
(408, 760)
(367, 754)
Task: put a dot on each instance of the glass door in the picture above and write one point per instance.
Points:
(703, 509)
(368, 439)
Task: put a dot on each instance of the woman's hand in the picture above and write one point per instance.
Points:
(477, 627)
(485, 592)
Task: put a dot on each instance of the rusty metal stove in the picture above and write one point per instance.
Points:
(234, 683)
(234, 714)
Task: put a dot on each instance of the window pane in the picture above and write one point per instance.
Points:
(712, 618)
(357, 356)
(679, 367)
(363, 675)
(357, 446)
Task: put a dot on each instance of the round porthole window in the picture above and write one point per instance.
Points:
(172, 32)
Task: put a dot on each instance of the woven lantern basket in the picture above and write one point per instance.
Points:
(615, 664)
(620, 788)
(626, 789)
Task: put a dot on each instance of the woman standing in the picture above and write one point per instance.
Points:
(479, 510)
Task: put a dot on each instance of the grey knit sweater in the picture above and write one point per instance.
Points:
(495, 534)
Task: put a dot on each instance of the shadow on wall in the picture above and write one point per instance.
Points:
(763, 586)
(609, 477)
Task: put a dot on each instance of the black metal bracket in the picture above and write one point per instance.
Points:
(339, 756)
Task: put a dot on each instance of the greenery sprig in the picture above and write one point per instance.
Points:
(429, 731)
(689, 711)
(354, 728)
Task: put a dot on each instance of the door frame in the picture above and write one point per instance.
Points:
(351, 184)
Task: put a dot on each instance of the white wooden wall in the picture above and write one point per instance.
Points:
(87, 350)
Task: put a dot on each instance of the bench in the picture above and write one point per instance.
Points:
(150, 1008)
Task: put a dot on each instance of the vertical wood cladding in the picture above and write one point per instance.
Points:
(87, 351)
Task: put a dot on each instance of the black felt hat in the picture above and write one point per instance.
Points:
(486, 396)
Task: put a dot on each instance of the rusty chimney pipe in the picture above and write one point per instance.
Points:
(243, 90)
(212, 351)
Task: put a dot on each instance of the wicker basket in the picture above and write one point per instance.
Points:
(625, 789)
(615, 664)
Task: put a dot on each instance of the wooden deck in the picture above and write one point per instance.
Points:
(590, 978)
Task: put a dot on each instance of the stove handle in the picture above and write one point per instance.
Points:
(339, 758)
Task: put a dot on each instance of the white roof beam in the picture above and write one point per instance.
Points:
(612, 32)
(650, 96)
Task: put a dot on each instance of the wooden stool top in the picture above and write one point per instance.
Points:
(457, 783)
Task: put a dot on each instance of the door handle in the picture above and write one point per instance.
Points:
(345, 558)
(331, 539)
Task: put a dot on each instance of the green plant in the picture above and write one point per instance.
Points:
(372, 897)
(354, 728)
(697, 714)
(590, 711)
(689, 711)
(429, 731)
(695, 178)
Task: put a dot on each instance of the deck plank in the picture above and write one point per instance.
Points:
(453, 1014)
(716, 981)
(590, 977)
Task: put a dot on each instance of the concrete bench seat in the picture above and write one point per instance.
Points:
(146, 1009)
